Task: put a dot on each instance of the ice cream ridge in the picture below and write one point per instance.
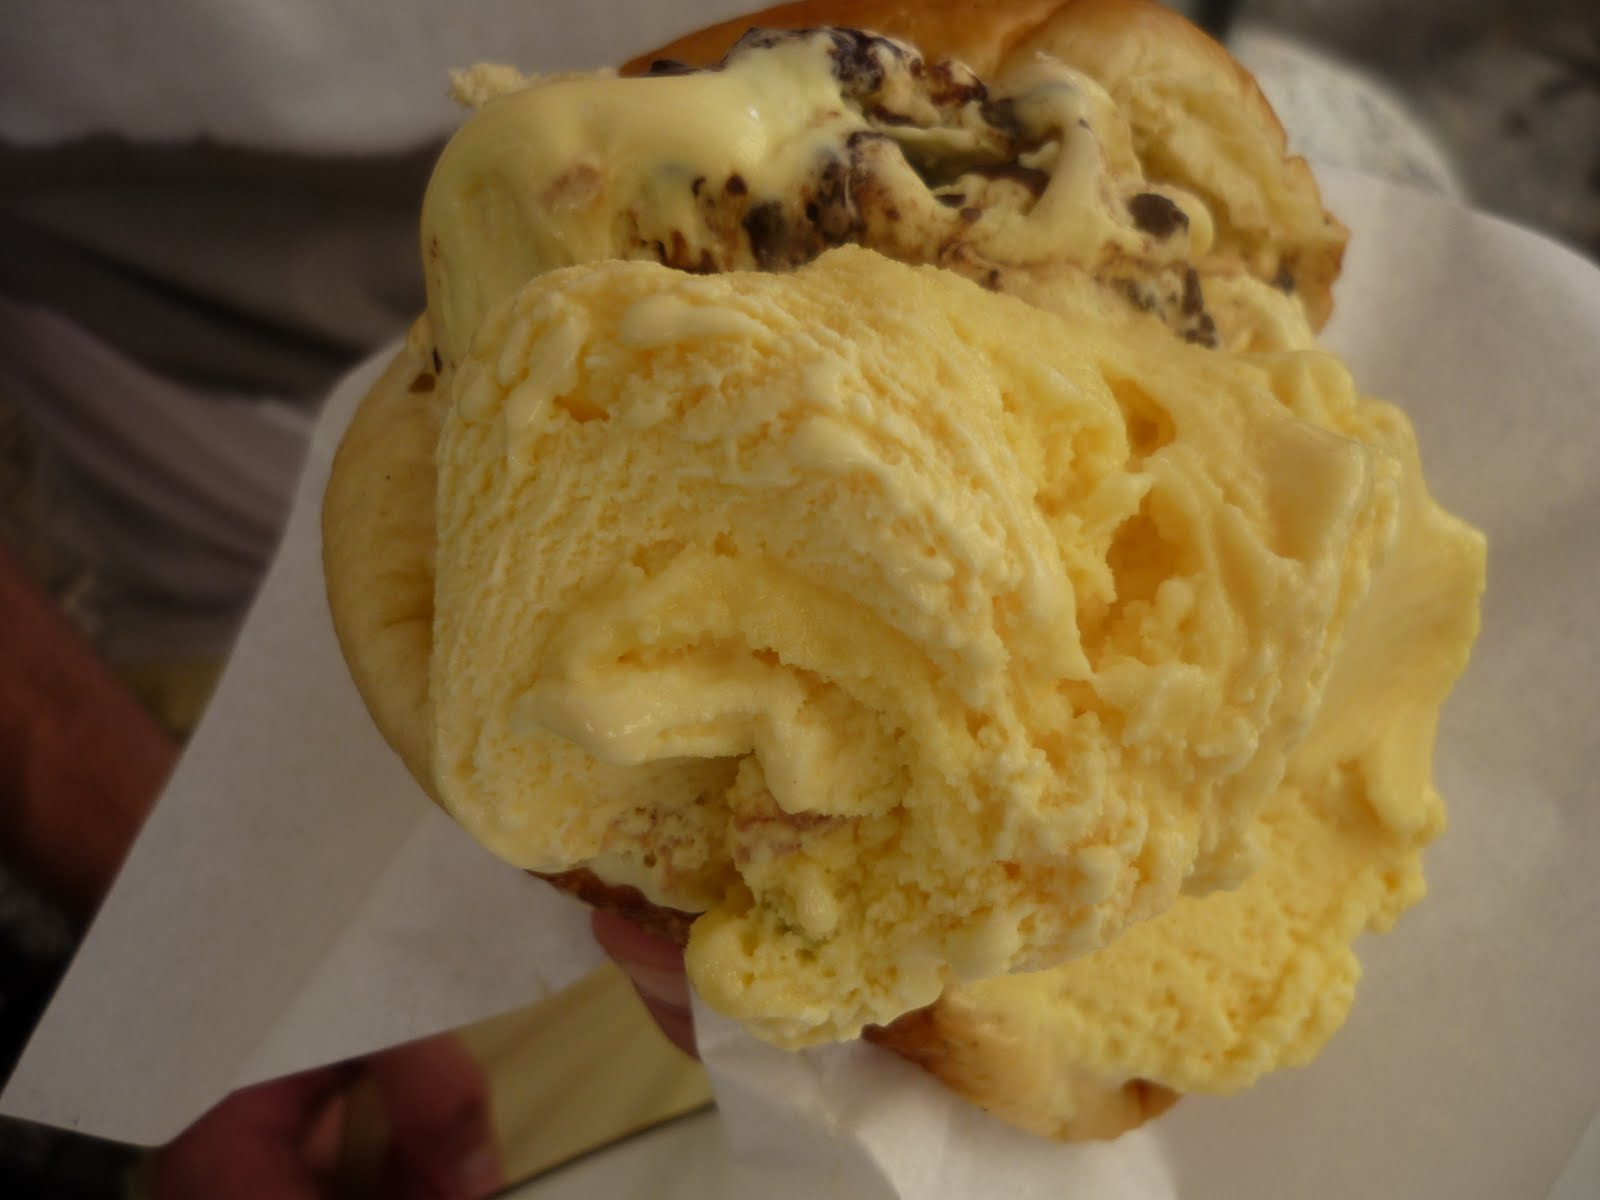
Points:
(881, 515)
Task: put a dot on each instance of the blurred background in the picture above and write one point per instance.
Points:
(1494, 103)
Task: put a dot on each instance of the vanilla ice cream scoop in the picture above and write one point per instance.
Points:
(910, 633)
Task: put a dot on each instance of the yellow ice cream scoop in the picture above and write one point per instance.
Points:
(800, 141)
(912, 634)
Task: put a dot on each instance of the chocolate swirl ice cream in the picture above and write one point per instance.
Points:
(798, 142)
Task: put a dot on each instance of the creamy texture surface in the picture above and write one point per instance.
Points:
(1221, 989)
(916, 634)
(801, 142)
(920, 626)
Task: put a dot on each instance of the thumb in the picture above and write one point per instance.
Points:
(436, 1099)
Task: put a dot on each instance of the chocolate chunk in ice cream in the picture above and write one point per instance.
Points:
(1157, 215)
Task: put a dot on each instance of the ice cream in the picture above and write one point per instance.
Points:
(1221, 989)
(803, 141)
(907, 522)
(911, 633)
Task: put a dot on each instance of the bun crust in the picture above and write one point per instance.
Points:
(378, 535)
(670, 923)
(1199, 123)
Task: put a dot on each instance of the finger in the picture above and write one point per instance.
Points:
(436, 1099)
(676, 1023)
(252, 1145)
(655, 967)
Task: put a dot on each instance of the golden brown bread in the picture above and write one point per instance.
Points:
(1199, 123)
(975, 1058)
